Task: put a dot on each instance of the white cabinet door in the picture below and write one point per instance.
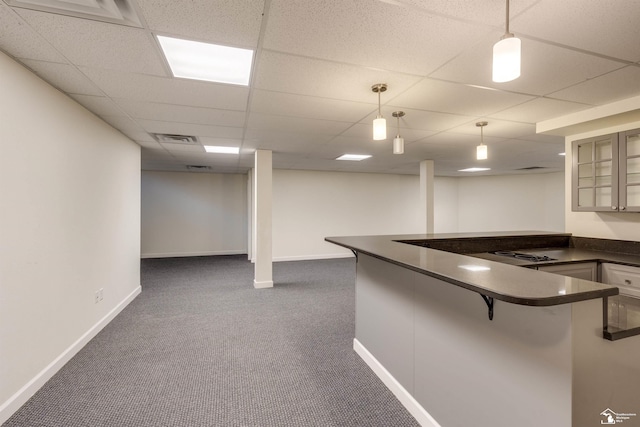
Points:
(582, 270)
(623, 276)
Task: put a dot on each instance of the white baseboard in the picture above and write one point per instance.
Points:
(188, 254)
(407, 400)
(14, 403)
(263, 284)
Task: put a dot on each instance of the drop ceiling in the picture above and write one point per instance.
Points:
(310, 100)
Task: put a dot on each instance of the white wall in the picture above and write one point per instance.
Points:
(190, 214)
(69, 225)
(187, 214)
(513, 202)
(309, 206)
(445, 205)
(603, 225)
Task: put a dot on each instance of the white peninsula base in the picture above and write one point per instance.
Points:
(433, 345)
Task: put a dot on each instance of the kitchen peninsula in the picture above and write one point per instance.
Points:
(463, 340)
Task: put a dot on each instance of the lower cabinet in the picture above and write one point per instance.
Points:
(626, 278)
(581, 270)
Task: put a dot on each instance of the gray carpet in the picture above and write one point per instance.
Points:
(201, 347)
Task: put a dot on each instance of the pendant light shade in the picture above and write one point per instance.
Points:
(506, 60)
(379, 128)
(506, 56)
(379, 123)
(398, 141)
(481, 150)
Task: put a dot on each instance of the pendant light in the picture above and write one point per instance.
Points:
(506, 56)
(398, 141)
(379, 124)
(481, 150)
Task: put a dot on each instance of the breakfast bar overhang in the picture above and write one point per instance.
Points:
(465, 341)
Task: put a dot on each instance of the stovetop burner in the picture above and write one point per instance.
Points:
(524, 257)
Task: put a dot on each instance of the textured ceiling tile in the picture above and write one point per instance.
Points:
(165, 90)
(369, 33)
(181, 113)
(97, 44)
(233, 22)
(310, 107)
(544, 68)
(307, 76)
(539, 109)
(100, 105)
(21, 41)
(65, 77)
(311, 126)
(605, 27)
(482, 12)
(434, 95)
(620, 84)
(190, 129)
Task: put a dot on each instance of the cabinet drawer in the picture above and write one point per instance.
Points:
(624, 277)
(579, 270)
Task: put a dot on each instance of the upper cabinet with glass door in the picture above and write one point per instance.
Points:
(606, 173)
(629, 148)
(595, 174)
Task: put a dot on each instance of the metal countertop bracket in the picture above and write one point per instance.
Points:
(489, 301)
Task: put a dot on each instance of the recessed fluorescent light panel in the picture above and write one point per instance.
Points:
(221, 150)
(474, 170)
(353, 157)
(209, 62)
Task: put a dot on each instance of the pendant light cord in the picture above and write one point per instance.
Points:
(507, 21)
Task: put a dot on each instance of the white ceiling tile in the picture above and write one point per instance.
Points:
(284, 141)
(232, 22)
(165, 90)
(545, 68)
(311, 107)
(497, 129)
(435, 95)
(605, 27)
(183, 148)
(314, 77)
(190, 129)
(21, 41)
(100, 105)
(486, 13)
(370, 33)
(365, 130)
(98, 44)
(122, 123)
(620, 84)
(539, 109)
(296, 124)
(65, 77)
(181, 113)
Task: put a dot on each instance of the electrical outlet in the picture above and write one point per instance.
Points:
(96, 297)
(101, 292)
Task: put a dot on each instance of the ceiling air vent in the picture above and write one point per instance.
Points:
(175, 139)
(113, 11)
(199, 167)
(531, 168)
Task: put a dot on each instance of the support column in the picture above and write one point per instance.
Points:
(426, 194)
(262, 182)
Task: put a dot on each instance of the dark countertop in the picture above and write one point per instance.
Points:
(563, 256)
(494, 279)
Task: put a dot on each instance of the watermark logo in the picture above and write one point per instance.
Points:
(611, 417)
